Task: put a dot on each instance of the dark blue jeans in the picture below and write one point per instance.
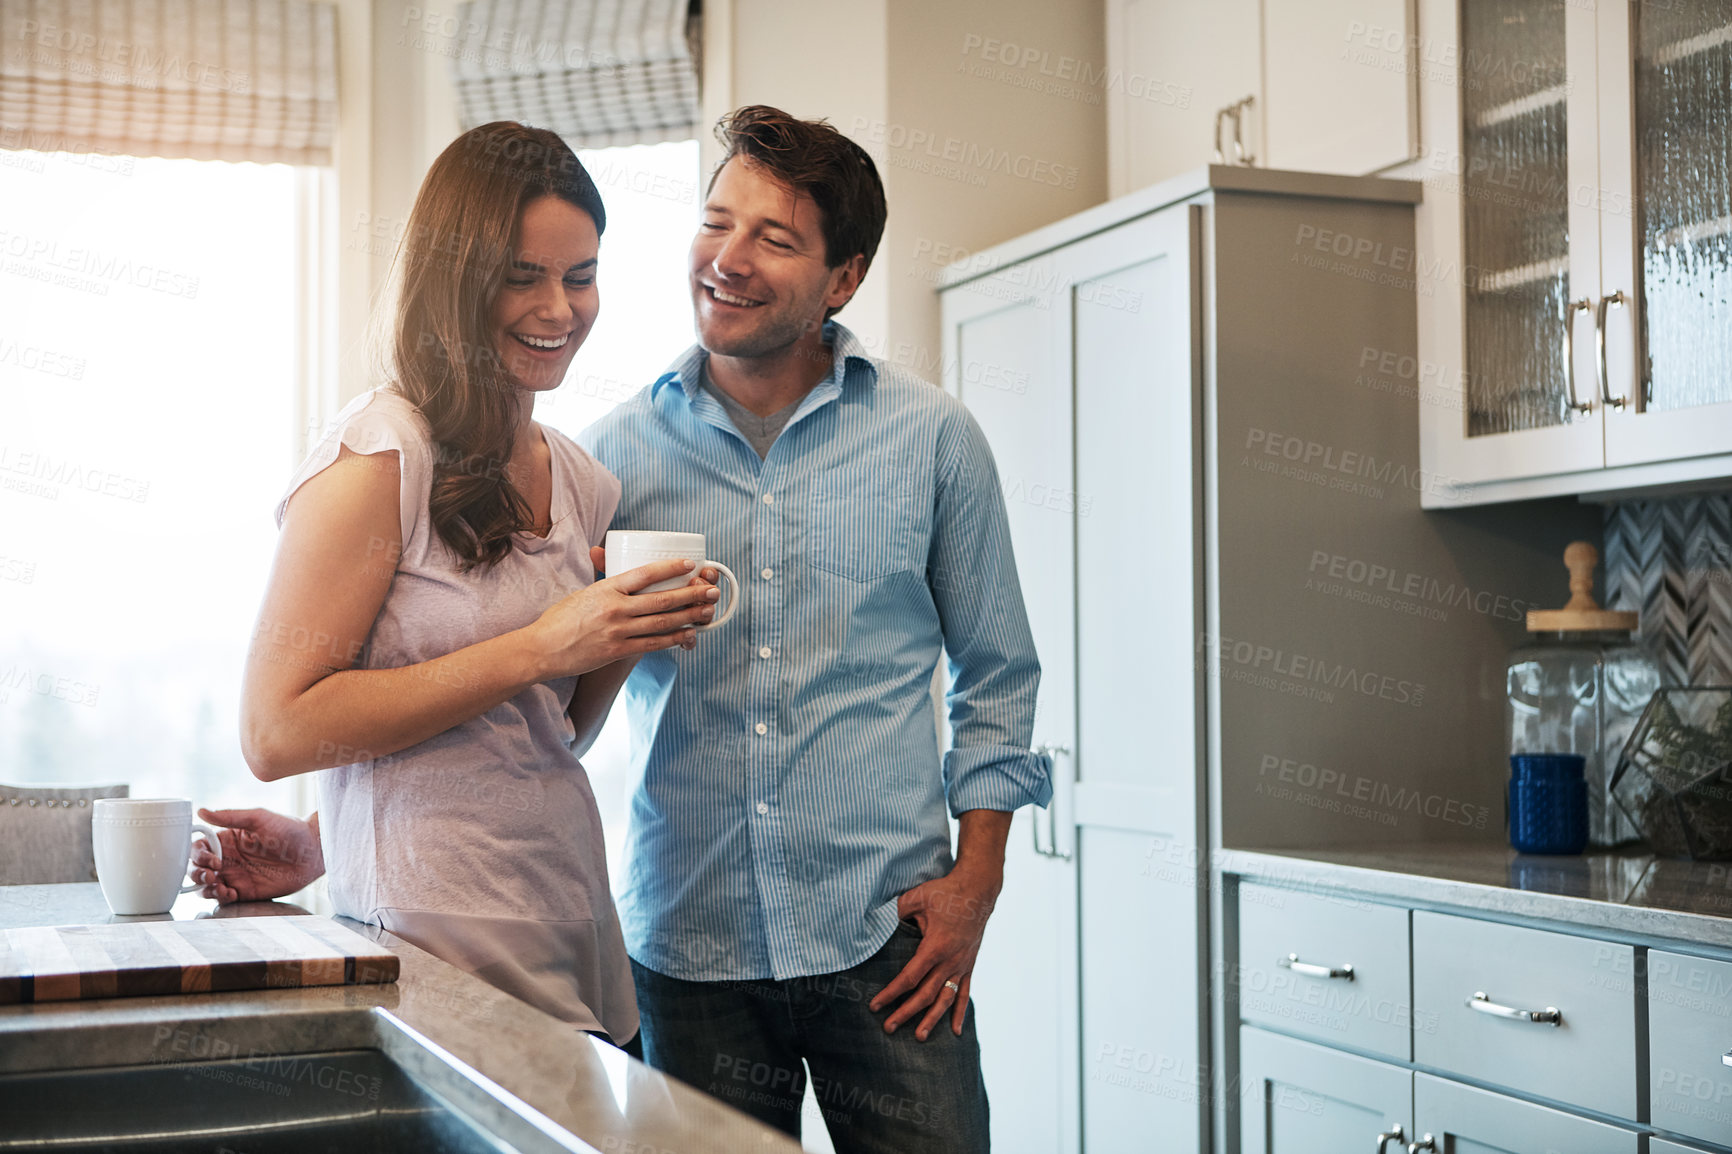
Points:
(749, 1043)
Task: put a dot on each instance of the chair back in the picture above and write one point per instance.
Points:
(45, 832)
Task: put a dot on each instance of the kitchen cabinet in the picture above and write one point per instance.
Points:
(1087, 353)
(1300, 1098)
(1662, 1146)
(1525, 1037)
(1177, 62)
(1574, 254)
(1458, 1119)
(1040, 356)
(1326, 969)
(1689, 1038)
(1332, 83)
(1550, 1014)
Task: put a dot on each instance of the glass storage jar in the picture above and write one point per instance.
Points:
(1578, 687)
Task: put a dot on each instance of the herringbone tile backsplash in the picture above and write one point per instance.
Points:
(1671, 561)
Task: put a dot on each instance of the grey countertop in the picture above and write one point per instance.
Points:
(579, 1083)
(1627, 893)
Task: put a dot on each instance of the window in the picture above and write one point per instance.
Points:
(149, 425)
(147, 399)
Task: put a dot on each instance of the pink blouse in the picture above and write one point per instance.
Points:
(481, 845)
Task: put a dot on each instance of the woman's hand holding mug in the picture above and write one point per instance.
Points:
(615, 618)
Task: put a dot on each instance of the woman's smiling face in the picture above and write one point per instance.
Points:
(548, 300)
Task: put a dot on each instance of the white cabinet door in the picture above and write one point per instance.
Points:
(1133, 305)
(1341, 84)
(1169, 65)
(1298, 1098)
(1666, 211)
(1507, 240)
(1462, 1120)
(1004, 359)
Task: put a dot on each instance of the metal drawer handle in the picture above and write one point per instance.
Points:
(1485, 1005)
(1393, 1134)
(1313, 970)
(1425, 1143)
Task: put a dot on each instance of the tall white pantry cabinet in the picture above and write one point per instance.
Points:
(1203, 409)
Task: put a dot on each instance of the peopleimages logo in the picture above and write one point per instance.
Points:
(1358, 788)
(1242, 660)
(956, 151)
(1386, 585)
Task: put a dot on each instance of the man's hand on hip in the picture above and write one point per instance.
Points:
(951, 913)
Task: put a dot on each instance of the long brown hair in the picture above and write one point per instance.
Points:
(452, 261)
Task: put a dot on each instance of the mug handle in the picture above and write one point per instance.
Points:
(216, 847)
(733, 593)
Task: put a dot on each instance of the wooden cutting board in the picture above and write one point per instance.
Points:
(133, 959)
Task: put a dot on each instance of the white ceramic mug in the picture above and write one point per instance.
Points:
(143, 850)
(629, 549)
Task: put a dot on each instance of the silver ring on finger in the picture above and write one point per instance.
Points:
(952, 986)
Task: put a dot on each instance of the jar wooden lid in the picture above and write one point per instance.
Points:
(1583, 614)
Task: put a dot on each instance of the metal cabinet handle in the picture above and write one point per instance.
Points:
(1425, 1143)
(1570, 310)
(1393, 1134)
(1313, 970)
(1235, 112)
(1051, 849)
(1549, 1015)
(1616, 300)
(1240, 156)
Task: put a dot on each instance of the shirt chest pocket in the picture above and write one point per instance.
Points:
(870, 520)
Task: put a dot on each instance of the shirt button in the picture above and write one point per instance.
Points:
(762, 728)
(768, 573)
(763, 808)
(769, 498)
(764, 652)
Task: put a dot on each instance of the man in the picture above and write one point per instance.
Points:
(790, 893)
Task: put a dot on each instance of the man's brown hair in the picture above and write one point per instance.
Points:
(811, 157)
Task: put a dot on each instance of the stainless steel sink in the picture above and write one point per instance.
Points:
(350, 1081)
(347, 1100)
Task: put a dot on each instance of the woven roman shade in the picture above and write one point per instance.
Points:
(601, 73)
(207, 79)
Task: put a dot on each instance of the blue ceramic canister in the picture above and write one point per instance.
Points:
(1548, 803)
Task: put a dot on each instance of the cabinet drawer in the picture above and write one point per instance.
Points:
(1587, 1059)
(1289, 941)
(1689, 1032)
(1465, 1120)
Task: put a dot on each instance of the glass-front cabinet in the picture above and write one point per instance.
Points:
(1574, 265)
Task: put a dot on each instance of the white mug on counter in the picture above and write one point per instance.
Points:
(143, 849)
(630, 548)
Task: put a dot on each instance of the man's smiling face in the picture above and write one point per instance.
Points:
(759, 272)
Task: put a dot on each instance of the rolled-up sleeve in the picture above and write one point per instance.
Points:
(994, 673)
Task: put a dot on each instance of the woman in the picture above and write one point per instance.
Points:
(432, 634)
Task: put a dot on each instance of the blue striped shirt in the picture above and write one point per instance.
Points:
(788, 779)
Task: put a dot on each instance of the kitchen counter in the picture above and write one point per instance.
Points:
(1626, 893)
(581, 1085)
